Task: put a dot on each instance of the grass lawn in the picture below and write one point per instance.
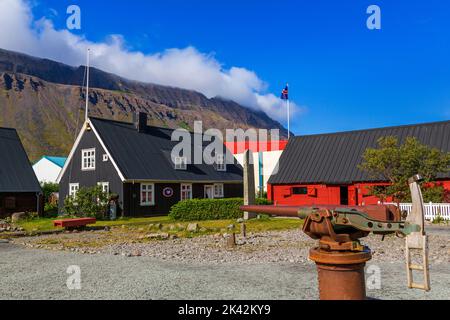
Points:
(256, 225)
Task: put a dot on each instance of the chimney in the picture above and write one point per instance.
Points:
(141, 121)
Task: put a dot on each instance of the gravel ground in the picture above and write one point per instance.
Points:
(271, 265)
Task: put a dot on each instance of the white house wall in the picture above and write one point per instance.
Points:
(270, 161)
(46, 171)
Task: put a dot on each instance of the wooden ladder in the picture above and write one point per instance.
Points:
(417, 242)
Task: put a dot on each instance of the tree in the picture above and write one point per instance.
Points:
(48, 188)
(396, 163)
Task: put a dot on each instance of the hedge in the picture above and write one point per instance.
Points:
(210, 209)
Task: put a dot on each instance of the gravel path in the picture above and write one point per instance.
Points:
(276, 268)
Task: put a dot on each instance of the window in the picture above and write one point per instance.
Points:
(186, 192)
(218, 190)
(88, 159)
(73, 189)
(220, 163)
(299, 190)
(105, 186)
(105, 158)
(147, 194)
(180, 163)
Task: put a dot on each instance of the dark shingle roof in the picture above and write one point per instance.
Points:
(334, 158)
(16, 173)
(146, 156)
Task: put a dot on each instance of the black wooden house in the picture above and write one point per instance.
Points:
(19, 188)
(133, 161)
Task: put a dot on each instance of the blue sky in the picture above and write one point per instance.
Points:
(343, 75)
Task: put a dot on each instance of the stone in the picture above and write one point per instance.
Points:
(192, 227)
(240, 220)
(18, 216)
(162, 236)
(231, 227)
(158, 226)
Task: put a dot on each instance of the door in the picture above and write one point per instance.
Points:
(209, 192)
(344, 196)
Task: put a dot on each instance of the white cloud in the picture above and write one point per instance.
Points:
(185, 68)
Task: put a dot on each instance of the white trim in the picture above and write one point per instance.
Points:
(107, 152)
(181, 190)
(222, 189)
(103, 184)
(75, 146)
(147, 204)
(180, 163)
(222, 163)
(72, 151)
(204, 191)
(92, 153)
(77, 185)
(182, 181)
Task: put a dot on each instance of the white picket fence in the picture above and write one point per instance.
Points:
(432, 210)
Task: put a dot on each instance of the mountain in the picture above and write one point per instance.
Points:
(44, 101)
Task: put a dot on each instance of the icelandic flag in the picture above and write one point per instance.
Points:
(285, 93)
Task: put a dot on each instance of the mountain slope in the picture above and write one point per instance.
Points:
(44, 101)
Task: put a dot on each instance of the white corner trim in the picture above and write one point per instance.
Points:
(75, 146)
(72, 151)
(107, 152)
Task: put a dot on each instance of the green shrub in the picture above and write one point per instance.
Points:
(88, 202)
(210, 209)
(50, 210)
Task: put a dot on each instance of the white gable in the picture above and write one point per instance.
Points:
(46, 170)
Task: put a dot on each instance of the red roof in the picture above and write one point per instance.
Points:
(261, 146)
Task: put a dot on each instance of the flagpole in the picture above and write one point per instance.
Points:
(289, 119)
(87, 87)
(288, 114)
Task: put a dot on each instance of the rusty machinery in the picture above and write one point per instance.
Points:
(340, 257)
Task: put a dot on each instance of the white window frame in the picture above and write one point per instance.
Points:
(220, 162)
(105, 157)
(103, 185)
(147, 203)
(72, 187)
(180, 163)
(186, 185)
(221, 193)
(207, 187)
(88, 154)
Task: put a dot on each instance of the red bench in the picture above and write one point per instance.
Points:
(74, 223)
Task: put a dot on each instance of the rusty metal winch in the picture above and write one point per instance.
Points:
(340, 257)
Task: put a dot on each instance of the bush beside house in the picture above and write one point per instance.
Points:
(210, 209)
(88, 202)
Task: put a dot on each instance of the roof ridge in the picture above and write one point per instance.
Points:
(149, 126)
(374, 129)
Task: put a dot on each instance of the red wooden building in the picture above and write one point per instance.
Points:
(323, 168)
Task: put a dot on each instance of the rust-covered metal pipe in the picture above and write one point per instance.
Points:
(377, 212)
